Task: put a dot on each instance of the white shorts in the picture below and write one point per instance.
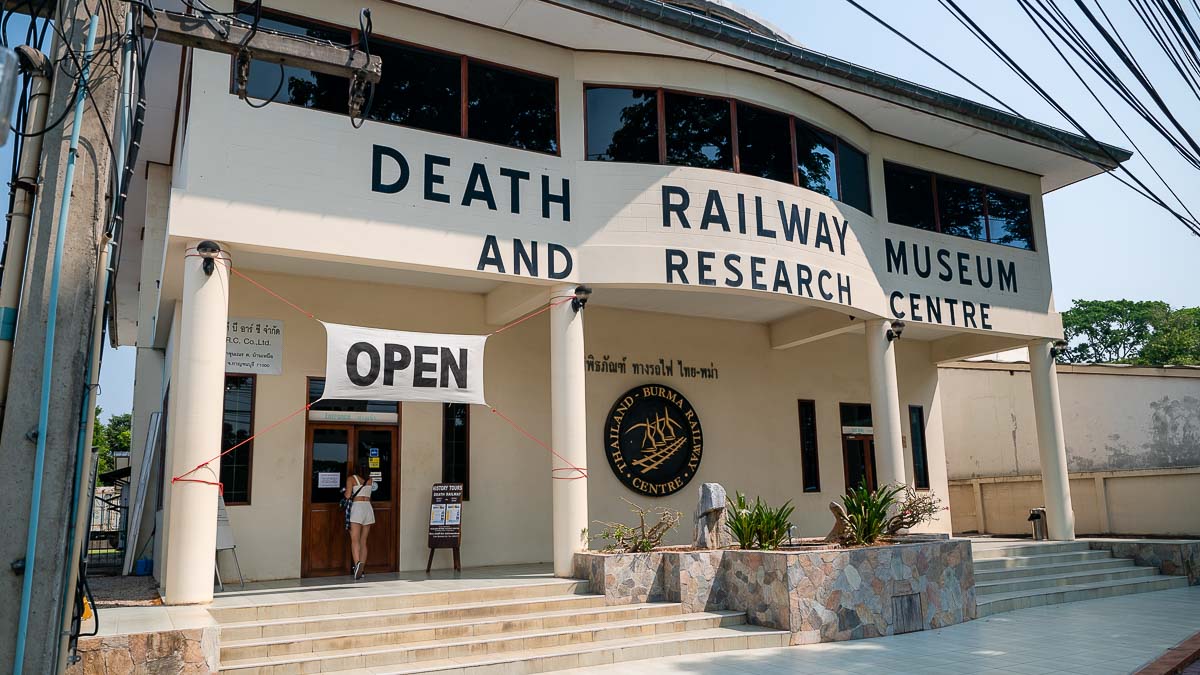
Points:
(362, 513)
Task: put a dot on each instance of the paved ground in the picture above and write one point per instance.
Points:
(1112, 635)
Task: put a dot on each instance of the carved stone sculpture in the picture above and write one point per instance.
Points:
(710, 518)
(840, 523)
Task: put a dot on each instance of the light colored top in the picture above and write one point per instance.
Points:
(364, 495)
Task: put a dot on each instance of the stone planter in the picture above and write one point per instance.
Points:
(821, 595)
(1171, 556)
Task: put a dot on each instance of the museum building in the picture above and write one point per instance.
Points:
(702, 253)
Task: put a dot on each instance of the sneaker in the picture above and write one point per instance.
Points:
(358, 571)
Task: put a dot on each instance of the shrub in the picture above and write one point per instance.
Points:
(913, 509)
(868, 514)
(638, 539)
(758, 526)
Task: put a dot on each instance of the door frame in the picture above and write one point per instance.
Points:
(352, 443)
(868, 441)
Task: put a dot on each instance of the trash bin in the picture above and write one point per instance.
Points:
(1038, 518)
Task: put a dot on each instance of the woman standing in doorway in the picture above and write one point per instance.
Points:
(362, 517)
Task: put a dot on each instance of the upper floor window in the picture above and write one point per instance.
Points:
(420, 88)
(930, 201)
(658, 126)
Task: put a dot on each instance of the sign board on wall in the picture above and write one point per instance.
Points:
(254, 346)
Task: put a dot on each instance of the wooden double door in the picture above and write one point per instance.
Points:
(858, 459)
(334, 452)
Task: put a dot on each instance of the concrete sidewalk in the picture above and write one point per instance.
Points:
(1093, 637)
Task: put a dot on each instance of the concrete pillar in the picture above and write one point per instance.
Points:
(885, 404)
(198, 391)
(568, 431)
(1047, 412)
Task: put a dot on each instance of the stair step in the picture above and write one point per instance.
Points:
(1003, 602)
(1009, 562)
(1087, 566)
(343, 603)
(350, 634)
(1069, 579)
(1018, 549)
(412, 616)
(347, 656)
(595, 654)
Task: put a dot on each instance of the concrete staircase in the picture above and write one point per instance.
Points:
(1014, 575)
(519, 629)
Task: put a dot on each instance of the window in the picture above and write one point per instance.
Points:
(916, 423)
(960, 208)
(1009, 220)
(456, 445)
(237, 425)
(909, 196)
(809, 461)
(622, 125)
(697, 131)
(510, 108)
(951, 206)
(856, 414)
(293, 85)
(816, 159)
(316, 386)
(764, 143)
(419, 88)
(856, 187)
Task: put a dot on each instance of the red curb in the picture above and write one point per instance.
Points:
(1175, 659)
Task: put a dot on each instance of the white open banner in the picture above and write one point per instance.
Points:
(390, 365)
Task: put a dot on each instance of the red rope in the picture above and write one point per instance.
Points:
(181, 477)
(569, 466)
(548, 307)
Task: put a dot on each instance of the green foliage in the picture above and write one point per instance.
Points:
(758, 526)
(100, 441)
(1127, 331)
(869, 514)
(624, 538)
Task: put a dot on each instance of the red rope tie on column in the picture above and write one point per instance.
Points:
(181, 478)
(569, 466)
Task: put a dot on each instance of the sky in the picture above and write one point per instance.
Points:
(1105, 242)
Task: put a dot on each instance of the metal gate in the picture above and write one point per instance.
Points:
(109, 523)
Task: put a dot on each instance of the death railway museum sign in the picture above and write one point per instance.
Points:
(653, 440)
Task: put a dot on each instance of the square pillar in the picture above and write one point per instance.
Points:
(1052, 446)
(568, 417)
(885, 403)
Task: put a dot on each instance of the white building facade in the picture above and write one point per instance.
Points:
(781, 248)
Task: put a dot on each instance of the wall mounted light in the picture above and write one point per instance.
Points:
(582, 293)
(208, 250)
(894, 332)
(1058, 348)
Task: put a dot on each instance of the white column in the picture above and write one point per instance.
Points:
(885, 404)
(1047, 412)
(198, 388)
(568, 431)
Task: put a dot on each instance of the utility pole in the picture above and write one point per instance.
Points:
(44, 571)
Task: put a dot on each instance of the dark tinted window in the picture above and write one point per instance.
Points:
(419, 88)
(1009, 219)
(456, 445)
(511, 108)
(856, 414)
(856, 186)
(237, 425)
(622, 125)
(316, 386)
(298, 86)
(764, 143)
(698, 131)
(809, 464)
(909, 196)
(816, 157)
(916, 425)
(960, 206)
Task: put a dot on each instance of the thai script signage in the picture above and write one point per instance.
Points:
(660, 367)
(254, 346)
(653, 440)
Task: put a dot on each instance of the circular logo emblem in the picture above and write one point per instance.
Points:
(653, 440)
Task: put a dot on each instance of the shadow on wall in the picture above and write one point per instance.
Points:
(1174, 441)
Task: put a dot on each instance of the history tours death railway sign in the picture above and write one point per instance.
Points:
(653, 440)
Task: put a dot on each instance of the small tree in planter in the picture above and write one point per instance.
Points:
(624, 538)
(871, 515)
(913, 509)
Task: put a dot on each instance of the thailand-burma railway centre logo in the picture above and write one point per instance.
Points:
(653, 440)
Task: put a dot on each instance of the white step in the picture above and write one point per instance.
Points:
(1085, 566)
(979, 552)
(1068, 579)
(1003, 602)
(595, 654)
(350, 630)
(348, 657)
(1009, 562)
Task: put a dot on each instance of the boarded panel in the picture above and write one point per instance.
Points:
(906, 613)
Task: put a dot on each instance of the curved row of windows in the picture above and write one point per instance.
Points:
(465, 97)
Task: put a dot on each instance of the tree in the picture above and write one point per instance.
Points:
(118, 432)
(100, 441)
(1135, 332)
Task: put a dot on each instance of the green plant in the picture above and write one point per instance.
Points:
(758, 526)
(913, 509)
(638, 539)
(868, 513)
